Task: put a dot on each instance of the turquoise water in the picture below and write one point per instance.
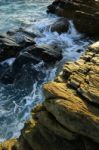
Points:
(17, 100)
(16, 13)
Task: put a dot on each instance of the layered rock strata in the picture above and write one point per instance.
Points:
(69, 117)
(85, 14)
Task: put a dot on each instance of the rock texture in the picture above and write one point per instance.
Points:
(12, 42)
(85, 14)
(69, 117)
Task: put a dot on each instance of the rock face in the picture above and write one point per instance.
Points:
(69, 117)
(85, 14)
(27, 56)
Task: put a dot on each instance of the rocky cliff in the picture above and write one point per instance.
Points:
(85, 14)
(68, 119)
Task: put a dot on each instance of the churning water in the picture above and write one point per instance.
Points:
(17, 100)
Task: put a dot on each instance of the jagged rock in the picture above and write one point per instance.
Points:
(31, 55)
(18, 67)
(95, 48)
(83, 13)
(49, 54)
(35, 132)
(13, 42)
(23, 59)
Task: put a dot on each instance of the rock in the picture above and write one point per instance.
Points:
(8, 145)
(31, 55)
(70, 113)
(19, 69)
(60, 26)
(67, 116)
(48, 121)
(13, 42)
(95, 47)
(83, 13)
(77, 97)
(23, 59)
(35, 132)
(49, 54)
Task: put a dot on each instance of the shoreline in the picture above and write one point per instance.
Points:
(69, 116)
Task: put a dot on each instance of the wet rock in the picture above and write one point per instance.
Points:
(15, 72)
(49, 54)
(84, 23)
(31, 55)
(89, 144)
(83, 13)
(13, 42)
(23, 59)
(60, 26)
